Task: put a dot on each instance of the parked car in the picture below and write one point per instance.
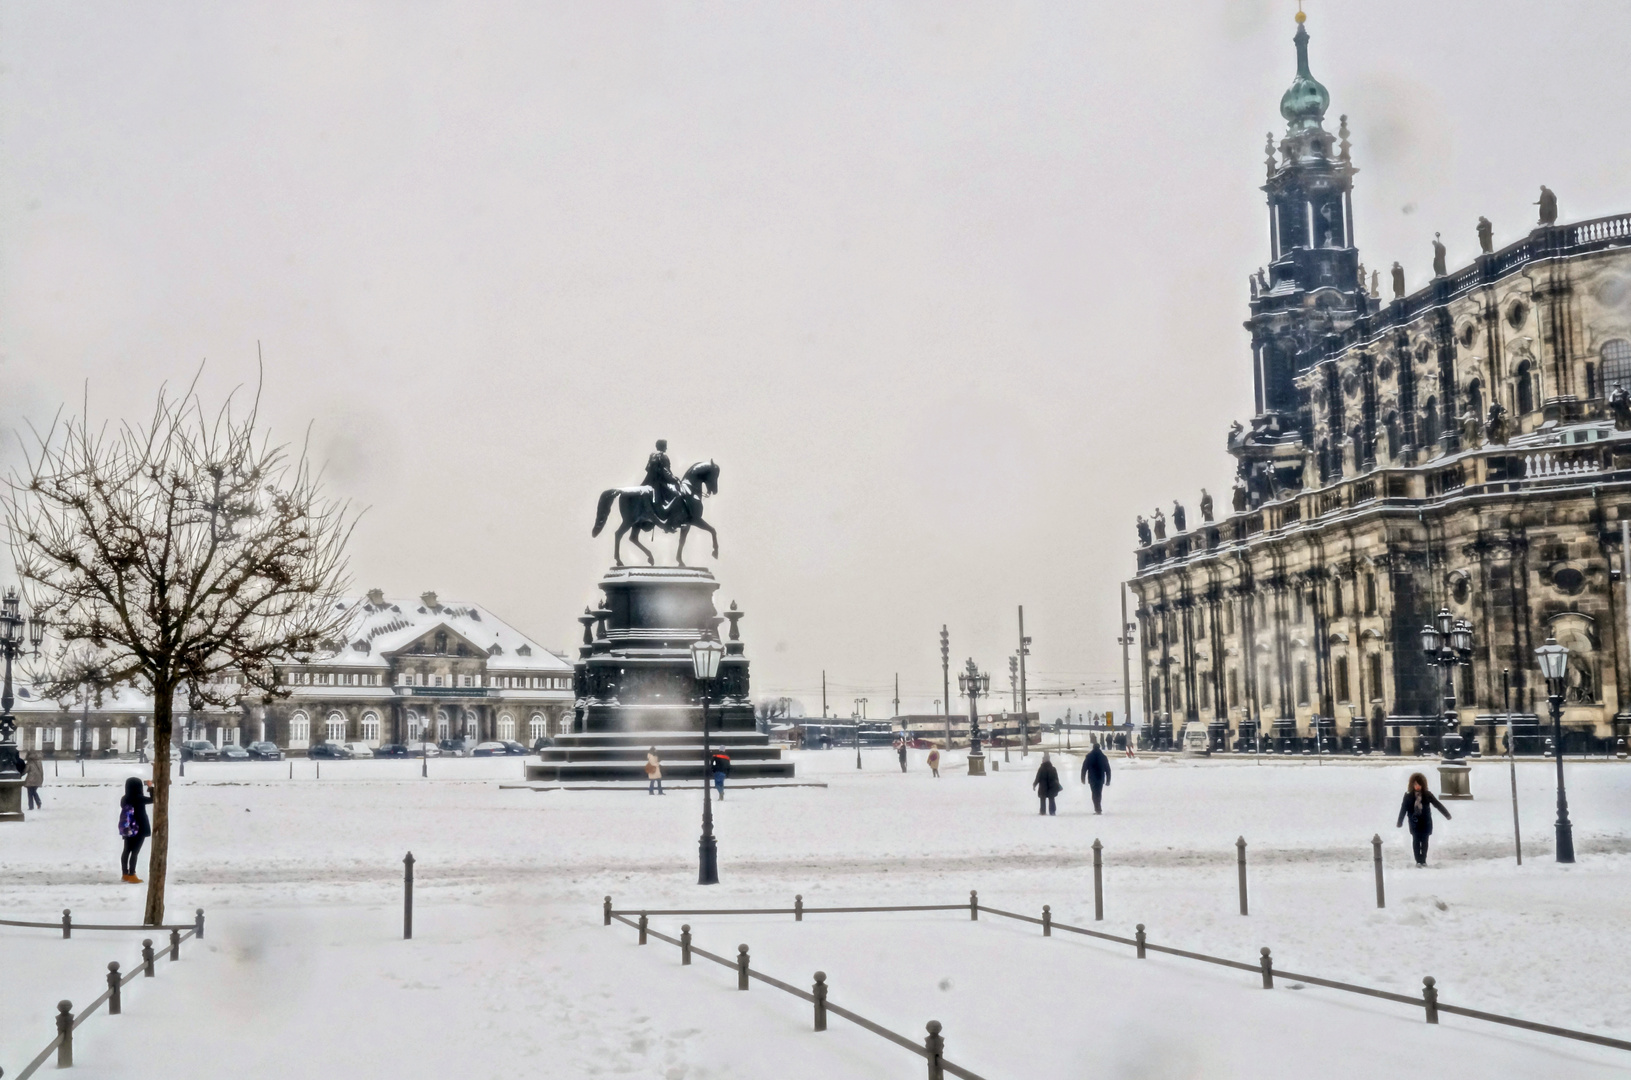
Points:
(199, 750)
(542, 742)
(360, 749)
(331, 750)
(264, 751)
(393, 750)
(490, 749)
(514, 749)
(234, 753)
(424, 749)
(456, 747)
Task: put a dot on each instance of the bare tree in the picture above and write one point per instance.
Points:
(189, 555)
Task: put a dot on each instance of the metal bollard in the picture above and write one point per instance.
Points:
(1376, 846)
(1240, 847)
(685, 944)
(1047, 921)
(798, 908)
(936, 1046)
(606, 912)
(1429, 999)
(67, 924)
(113, 988)
(819, 992)
(1139, 937)
(741, 967)
(147, 957)
(642, 928)
(65, 1034)
(407, 896)
(175, 945)
(198, 924)
(1267, 963)
(1098, 881)
(973, 905)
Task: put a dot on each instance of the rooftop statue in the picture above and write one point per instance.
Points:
(1143, 532)
(1439, 269)
(660, 502)
(1619, 404)
(1398, 282)
(1486, 236)
(1206, 506)
(1375, 284)
(1178, 524)
(1548, 206)
(1498, 429)
(1160, 524)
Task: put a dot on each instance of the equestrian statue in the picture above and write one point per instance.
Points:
(662, 501)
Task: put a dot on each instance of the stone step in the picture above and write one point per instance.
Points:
(659, 739)
(666, 753)
(631, 771)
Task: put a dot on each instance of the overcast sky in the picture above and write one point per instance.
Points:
(950, 291)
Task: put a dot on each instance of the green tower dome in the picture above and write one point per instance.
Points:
(1304, 104)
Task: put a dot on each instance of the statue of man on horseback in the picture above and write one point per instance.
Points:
(663, 502)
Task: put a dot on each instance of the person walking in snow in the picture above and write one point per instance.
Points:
(721, 767)
(900, 748)
(133, 826)
(1418, 807)
(934, 763)
(654, 773)
(1096, 774)
(33, 777)
(1046, 785)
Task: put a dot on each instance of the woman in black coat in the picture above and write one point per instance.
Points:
(1418, 807)
(133, 826)
(1047, 785)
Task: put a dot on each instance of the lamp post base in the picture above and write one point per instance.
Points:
(11, 798)
(708, 861)
(976, 764)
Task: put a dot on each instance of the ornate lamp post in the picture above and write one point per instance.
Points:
(1447, 642)
(974, 683)
(860, 714)
(705, 657)
(12, 621)
(1554, 664)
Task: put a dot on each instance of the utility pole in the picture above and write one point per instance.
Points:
(1024, 715)
(945, 679)
(895, 701)
(824, 673)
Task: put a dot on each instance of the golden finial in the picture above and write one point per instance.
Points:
(1300, 16)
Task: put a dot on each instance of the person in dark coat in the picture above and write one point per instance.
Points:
(1046, 785)
(134, 826)
(33, 777)
(1418, 807)
(1096, 774)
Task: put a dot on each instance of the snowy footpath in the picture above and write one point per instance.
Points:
(303, 972)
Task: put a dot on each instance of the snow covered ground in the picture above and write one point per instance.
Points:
(302, 971)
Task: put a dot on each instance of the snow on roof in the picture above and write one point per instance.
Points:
(382, 626)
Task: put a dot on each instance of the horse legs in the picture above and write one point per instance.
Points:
(699, 523)
(679, 555)
(617, 544)
(634, 538)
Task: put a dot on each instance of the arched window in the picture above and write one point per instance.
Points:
(1616, 356)
(536, 729)
(299, 730)
(506, 727)
(1526, 389)
(441, 723)
(1429, 422)
(370, 728)
(416, 726)
(335, 727)
(1391, 425)
(1475, 398)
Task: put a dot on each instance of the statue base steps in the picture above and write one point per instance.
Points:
(622, 756)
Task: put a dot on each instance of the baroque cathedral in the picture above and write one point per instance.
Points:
(1463, 450)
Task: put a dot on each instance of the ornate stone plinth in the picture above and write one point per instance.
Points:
(635, 687)
(11, 799)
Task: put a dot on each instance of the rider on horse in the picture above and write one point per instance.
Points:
(660, 478)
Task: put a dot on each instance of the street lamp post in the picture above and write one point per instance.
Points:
(945, 680)
(860, 714)
(12, 622)
(974, 683)
(1554, 664)
(1447, 642)
(705, 657)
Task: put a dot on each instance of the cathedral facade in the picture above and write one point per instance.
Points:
(1464, 448)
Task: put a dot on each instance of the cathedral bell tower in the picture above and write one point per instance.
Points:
(1311, 287)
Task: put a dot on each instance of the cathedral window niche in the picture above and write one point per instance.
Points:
(1616, 368)
(1525, 389)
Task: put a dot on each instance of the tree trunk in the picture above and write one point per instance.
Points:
(159, 851)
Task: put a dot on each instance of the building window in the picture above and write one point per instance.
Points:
(1229, 618)
(1616, 356)
(438, 680)
(1265, 688)
(1234, 688)
(1340, 665)
(536, 728)
(1370, 594)
(415, 726)
(299, 729)
(370, 728)
(1206, 691)
(1302, 682)
(1376, 676)
(441, 724)
(1336, 598)
(335, 727)
(506, 727)
(1526, 389)
(1297, 606)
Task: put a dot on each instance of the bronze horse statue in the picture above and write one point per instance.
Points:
(639, 508)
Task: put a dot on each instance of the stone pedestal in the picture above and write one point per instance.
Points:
(976, 765)
(11, 799)
(1455, 781)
